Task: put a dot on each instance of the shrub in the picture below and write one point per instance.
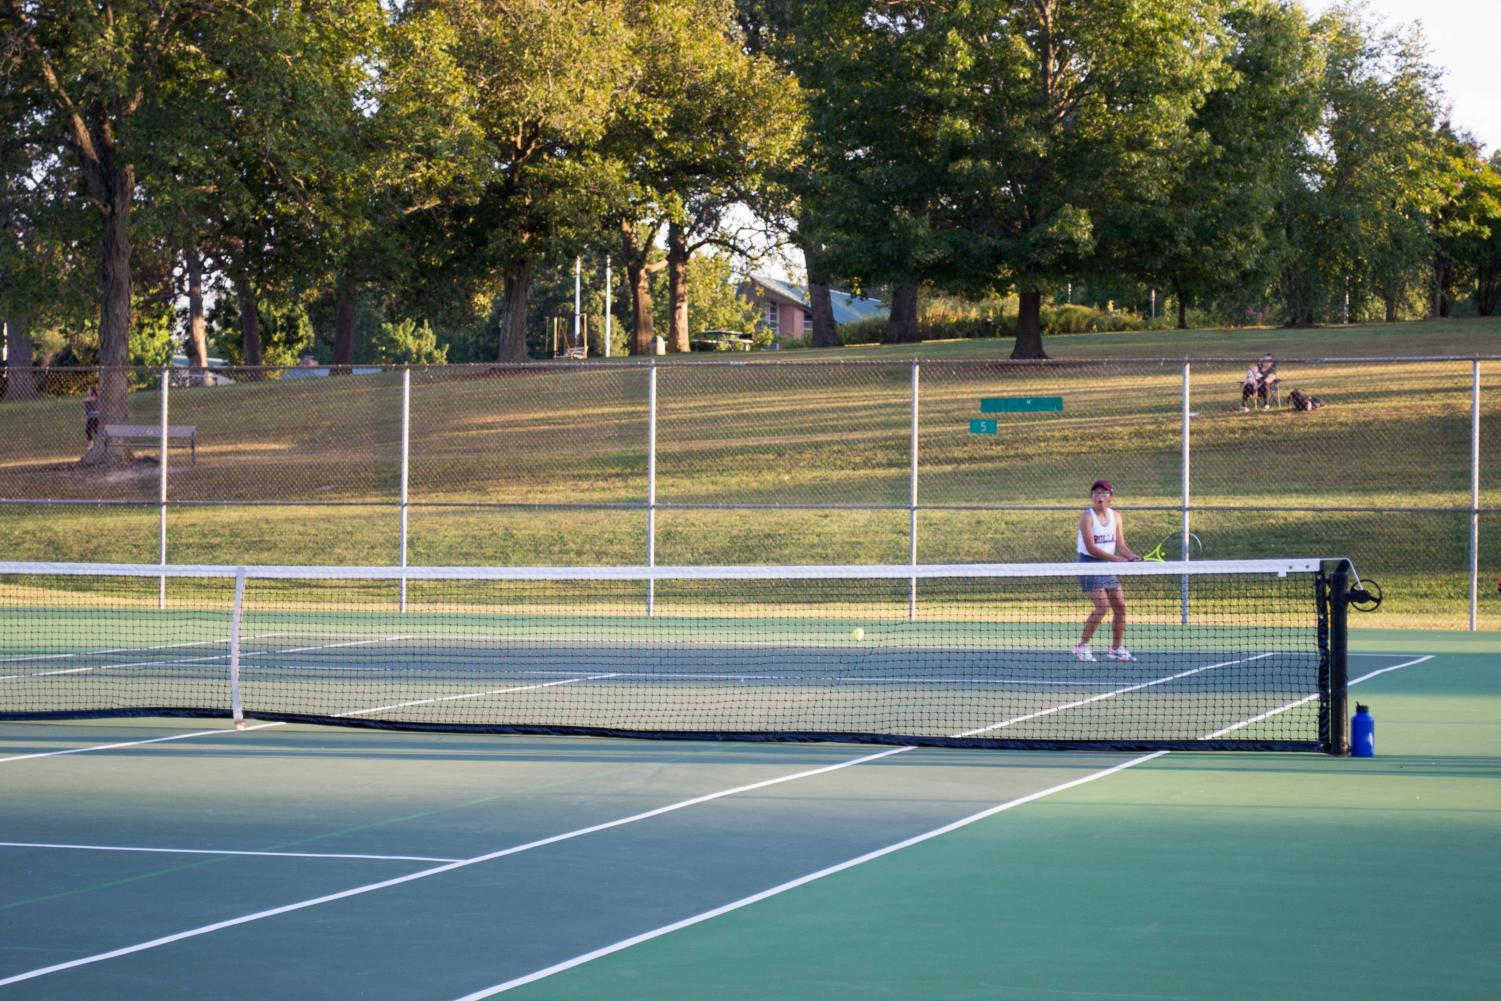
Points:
(866, 331)
(405, 343)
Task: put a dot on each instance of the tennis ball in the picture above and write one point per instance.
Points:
(857, 634)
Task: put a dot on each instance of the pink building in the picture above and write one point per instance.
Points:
(785, 311)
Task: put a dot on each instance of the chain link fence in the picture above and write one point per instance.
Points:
(705, 461)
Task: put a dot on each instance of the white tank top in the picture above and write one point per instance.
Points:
(1104, 535)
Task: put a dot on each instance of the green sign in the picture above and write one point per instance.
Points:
(1020, 404)
(983, 427)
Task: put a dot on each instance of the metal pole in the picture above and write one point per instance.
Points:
(236, 619)
(406, 453)
(912, 503)
(161, 519)
(1185, 495)
(607, 306)
(578, 264)
(1339, 670)
(651, 486)
(1474, 493)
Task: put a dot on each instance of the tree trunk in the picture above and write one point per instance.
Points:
(901, 327)
(250, 320)
(518, 291)
(197, 325)
(114, 313)
(636, 252)
(677, 289)
(825, 330)
(20, 380)
(1391, 307)
(1440, 307)
(344, 292)
(1488, 289)
(1182, 301)
(1029, 326)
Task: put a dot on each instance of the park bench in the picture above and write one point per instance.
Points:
(181, 435)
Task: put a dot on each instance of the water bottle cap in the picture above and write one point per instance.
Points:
(1361, 709)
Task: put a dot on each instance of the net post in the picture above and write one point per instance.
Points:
(1184, 532)
(236, 707)
(406, 453)
(1338, 741)
(651, 485)
(161, 515)
(912, 504)
(1474, 493)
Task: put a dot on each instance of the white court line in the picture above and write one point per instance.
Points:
(800, 881)
(208, 851)
(436, 870)
(473, 695)
(1110, 695)
(128, 649)
(1309, 698)
(262, 726)
(195, 660)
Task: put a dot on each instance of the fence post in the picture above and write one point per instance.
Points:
(1474, 493)
(651, 485)
(912, 503)
(406, 452)
(161, 516)
(1185, 529)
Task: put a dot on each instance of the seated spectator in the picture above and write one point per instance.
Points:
(1249, 386)
(1268, 379)
(1260, 379)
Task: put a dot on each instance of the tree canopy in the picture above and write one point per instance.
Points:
(371, 179)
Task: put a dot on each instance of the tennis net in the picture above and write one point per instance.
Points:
(1228, 654)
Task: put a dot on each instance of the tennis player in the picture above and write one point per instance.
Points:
(1102, 540)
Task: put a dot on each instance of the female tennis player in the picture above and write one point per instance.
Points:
(1102, 540)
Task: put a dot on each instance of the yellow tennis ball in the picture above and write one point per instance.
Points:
(857, 634)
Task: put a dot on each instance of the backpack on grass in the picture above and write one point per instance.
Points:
(1302, 401)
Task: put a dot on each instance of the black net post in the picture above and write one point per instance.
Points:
(1339, 649)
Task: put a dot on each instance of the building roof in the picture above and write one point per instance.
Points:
(847, 307)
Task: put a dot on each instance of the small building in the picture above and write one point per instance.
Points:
(784, 309)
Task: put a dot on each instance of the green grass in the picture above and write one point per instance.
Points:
(784, 432)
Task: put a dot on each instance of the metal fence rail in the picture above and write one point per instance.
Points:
(783, 461)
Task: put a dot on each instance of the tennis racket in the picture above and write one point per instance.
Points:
(1172, 550)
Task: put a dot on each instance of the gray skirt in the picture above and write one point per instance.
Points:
(1101, 582)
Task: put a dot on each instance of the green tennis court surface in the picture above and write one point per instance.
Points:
(171, 858)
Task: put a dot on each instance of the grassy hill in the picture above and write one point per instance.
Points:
(764, 462)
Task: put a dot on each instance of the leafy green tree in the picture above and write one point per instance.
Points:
(100, 78)
(406, 343)
(1357, 210)
(731, 126)
(1467, 226)
(542, 78)
(1210, 230)
(979, 139)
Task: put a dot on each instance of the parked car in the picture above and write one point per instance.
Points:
(722, 340)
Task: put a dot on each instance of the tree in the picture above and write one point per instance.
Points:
(978, 140)
(99, 74)
(1357, 209)
(542, 78)
(1467, 224)
(1210, 228)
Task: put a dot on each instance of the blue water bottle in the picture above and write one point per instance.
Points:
(1362, 733)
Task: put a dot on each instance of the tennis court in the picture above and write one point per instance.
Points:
(159, 857)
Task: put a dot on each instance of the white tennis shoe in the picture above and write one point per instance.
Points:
(1081, 652)
(1119, 653)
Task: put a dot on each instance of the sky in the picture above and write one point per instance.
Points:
(1464, 38)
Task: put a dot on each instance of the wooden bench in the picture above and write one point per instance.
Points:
(181, 435)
